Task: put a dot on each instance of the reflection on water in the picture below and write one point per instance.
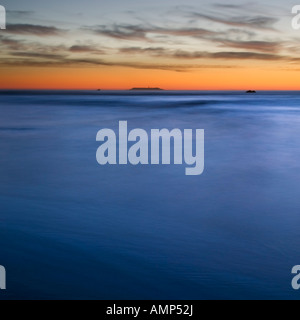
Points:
(73, 229)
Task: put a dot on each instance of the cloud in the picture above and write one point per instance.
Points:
(254, 22)
(16, 47)
(134, 65)
(263, 46)
(57, 62)
(30, 29)
(226, 55)
(158, 51)
(38, 55)
(31, 59)
(11, 44)
(244, 56)
(19, 13)
(229, 6)
(124, 32)
(232, 38)
(190, 32)
(182, 54)
(138, 32)
(85, 49)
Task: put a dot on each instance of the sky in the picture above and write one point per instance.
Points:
(172, 44)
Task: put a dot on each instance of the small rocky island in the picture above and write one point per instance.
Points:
(146, 89)
(251, 91)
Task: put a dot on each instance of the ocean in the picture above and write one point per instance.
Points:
(72, 229)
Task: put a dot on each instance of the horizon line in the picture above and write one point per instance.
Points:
(130, 90)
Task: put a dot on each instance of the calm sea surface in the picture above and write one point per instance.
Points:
(72, 229)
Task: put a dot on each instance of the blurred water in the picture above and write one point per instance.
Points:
(71, 229)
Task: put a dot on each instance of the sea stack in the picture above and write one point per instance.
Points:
(146, 89)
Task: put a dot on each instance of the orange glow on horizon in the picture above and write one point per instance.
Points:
(123, 78)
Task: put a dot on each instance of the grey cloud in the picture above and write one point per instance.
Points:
(191, 32)
(40, 60)
(85, 49)
(159, 51)
(245, 56)
(11, 44)
(135, 32)
(182, 54)
(30, 29)
(19, 13)
(233, 38)
(38, 55)
(263, 46)
(229, 6)
(124, 32)
(227, 55)
(255, 22)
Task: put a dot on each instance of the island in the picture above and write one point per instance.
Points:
(251, 91)
(146, 89)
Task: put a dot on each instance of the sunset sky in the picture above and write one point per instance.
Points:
(172, 44)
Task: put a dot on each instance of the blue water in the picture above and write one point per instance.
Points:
(72, 229)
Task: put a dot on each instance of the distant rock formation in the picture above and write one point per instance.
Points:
(251, 91)
(146, 89)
